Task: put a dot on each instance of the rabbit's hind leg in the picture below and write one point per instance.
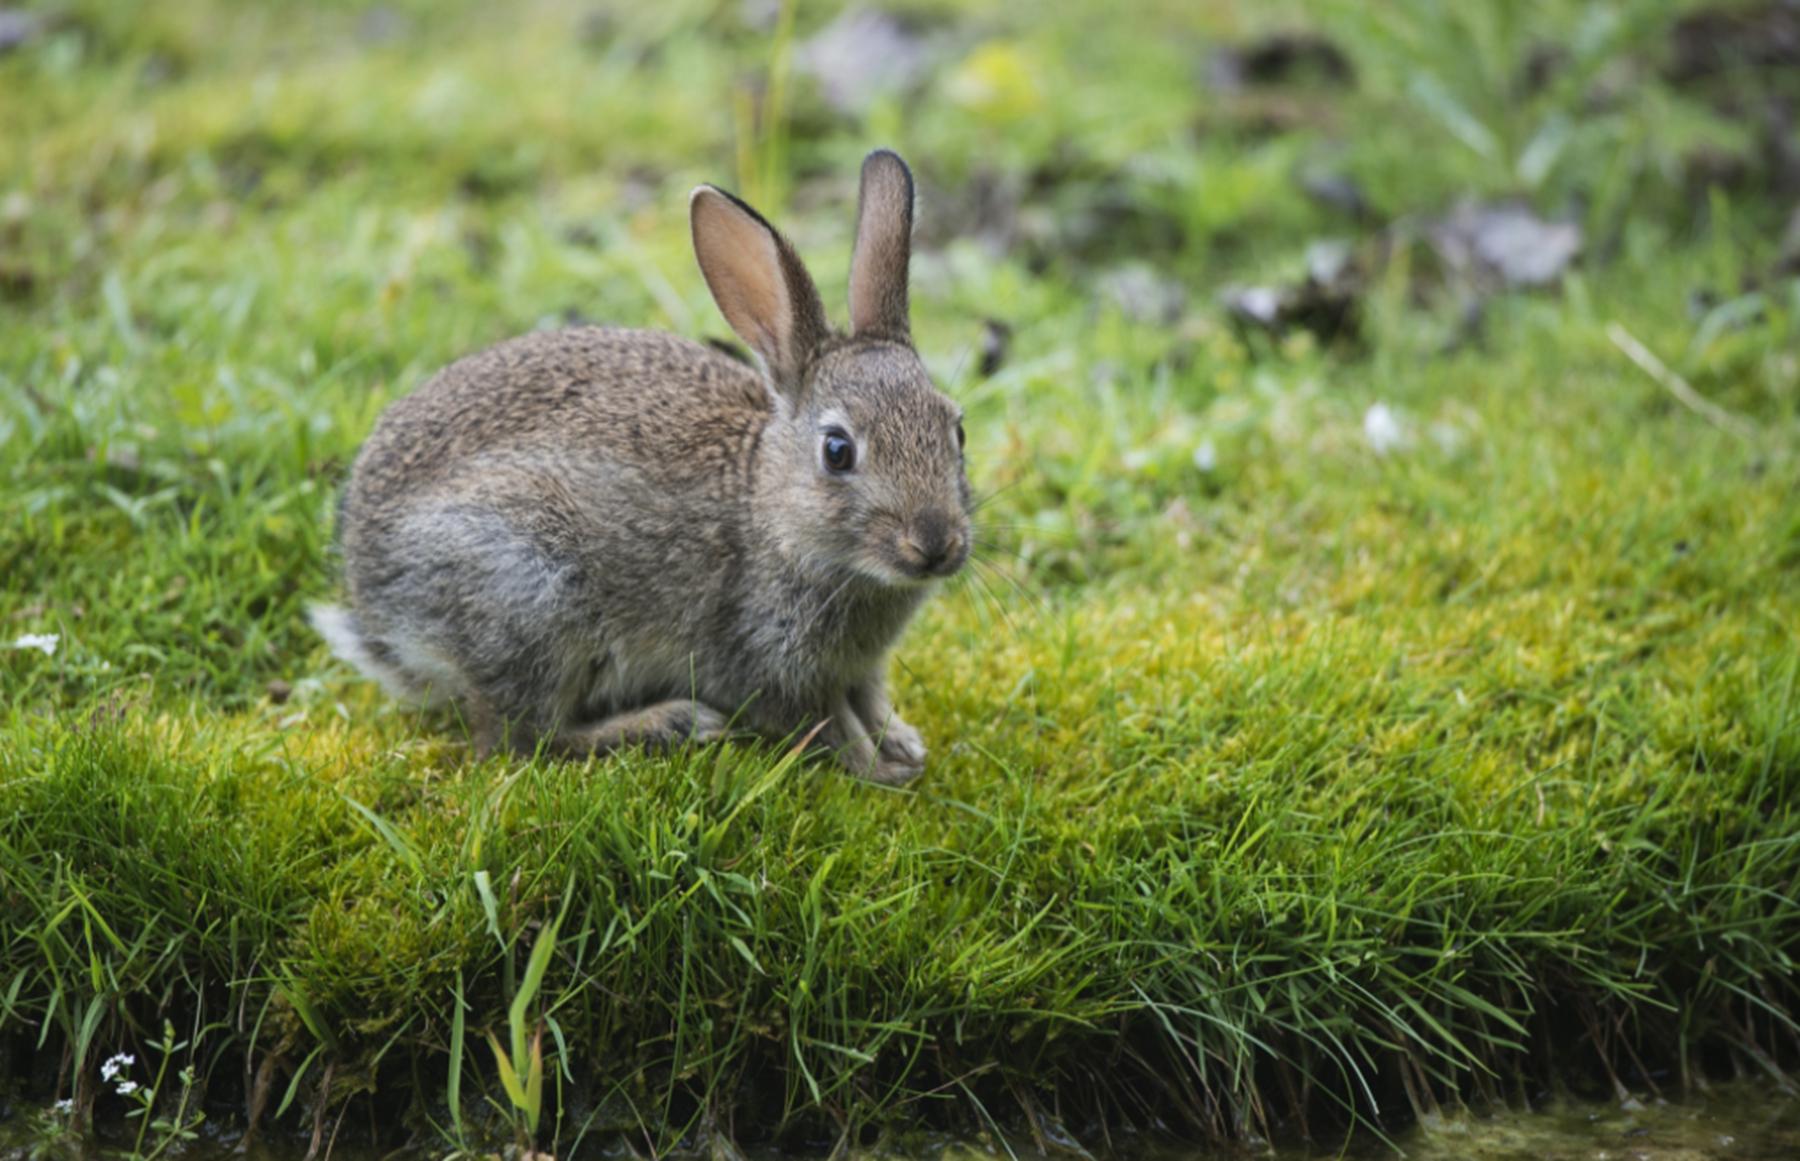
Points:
(660, 726)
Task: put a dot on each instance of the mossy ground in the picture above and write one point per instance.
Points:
(1314, 781)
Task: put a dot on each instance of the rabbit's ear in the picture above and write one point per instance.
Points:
(884, 215)
(758, 281)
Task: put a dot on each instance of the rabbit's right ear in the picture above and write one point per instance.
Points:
(761, 287)
(884, 218)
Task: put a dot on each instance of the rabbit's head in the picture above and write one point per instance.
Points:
(861, 465)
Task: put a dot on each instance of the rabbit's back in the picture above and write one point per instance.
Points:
(654, 403)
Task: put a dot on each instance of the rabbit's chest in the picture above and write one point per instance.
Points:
(824, 636)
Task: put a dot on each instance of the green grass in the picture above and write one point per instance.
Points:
(1321, 784)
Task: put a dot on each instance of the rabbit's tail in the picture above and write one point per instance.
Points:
(343, 631)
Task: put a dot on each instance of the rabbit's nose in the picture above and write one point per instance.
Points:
(934, 546)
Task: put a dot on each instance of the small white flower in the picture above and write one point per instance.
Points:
(1206, 456)
(1381, 427)
(66, 1105)
(127, 1087)
(45, 641)
(116, 1064)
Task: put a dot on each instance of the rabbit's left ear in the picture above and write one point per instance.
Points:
(884, 216)
(760, 284)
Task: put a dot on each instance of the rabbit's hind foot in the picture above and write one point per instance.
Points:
(656, 727)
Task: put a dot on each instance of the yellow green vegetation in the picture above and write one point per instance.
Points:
(1289, 763)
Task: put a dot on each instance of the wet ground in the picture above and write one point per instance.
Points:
(1736, 1122)
(1747, 1122)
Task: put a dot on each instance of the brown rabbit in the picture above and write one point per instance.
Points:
(597, 537)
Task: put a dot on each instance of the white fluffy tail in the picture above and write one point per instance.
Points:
(343, 632)
(433, 682)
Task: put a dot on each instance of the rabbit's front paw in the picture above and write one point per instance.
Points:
(901, 745)
(872, 741)
(891, 773)
(899, 754)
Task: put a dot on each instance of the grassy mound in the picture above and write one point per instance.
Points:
(1330, 731)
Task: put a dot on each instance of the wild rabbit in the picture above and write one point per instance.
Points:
(599, 537)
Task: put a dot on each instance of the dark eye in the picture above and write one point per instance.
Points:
(959, 435)
(840, 451)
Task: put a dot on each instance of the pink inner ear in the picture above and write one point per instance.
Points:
(742, 267)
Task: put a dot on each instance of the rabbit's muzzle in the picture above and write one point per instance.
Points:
(933, 545)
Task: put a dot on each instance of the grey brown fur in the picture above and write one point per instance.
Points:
(599, 537)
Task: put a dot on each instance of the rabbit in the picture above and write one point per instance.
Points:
(597, 537)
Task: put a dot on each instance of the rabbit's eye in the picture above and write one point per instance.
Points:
(840, 450)
(959, 435)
